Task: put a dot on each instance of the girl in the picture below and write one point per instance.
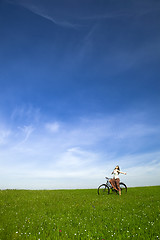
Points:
(115, 180)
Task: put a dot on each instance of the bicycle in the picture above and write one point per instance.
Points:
(105, 188)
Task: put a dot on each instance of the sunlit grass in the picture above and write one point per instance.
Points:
(80, 214)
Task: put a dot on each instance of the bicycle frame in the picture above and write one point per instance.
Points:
(108, 183)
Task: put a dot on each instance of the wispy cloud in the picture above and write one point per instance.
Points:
(27, 112)
(44, 12)
(27, 131)
(41, 12)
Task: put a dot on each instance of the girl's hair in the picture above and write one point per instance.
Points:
(118, 167)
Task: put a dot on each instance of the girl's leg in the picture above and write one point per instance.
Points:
(113, 183)
(118, 187)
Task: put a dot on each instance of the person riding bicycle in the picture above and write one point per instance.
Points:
(115, 180)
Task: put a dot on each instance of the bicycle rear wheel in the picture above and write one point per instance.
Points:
(123, 187)
(103, 189)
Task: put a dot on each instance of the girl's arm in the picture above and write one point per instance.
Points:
(122, 172)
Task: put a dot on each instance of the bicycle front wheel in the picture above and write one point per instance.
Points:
(123, 187)
(103, 189)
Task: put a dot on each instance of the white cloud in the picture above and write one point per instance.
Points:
(53, 127)
(82, 177)
(88, 149)
(76, 159)
(4, 134)
(146, 174)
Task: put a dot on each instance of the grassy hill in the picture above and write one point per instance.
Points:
(80, 214)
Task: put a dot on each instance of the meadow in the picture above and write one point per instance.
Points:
(80, 214)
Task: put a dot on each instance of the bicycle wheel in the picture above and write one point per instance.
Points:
(103, 189)
(123, 187)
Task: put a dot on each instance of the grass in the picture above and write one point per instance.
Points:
(80, 214)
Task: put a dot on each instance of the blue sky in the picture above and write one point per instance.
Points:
(80, 84)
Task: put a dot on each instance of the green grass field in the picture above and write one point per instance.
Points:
(80, 214)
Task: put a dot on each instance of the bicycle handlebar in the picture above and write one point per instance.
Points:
(108, 178)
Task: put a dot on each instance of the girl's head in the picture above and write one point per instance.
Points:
(117, 167)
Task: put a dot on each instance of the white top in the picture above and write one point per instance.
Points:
(115, 173)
